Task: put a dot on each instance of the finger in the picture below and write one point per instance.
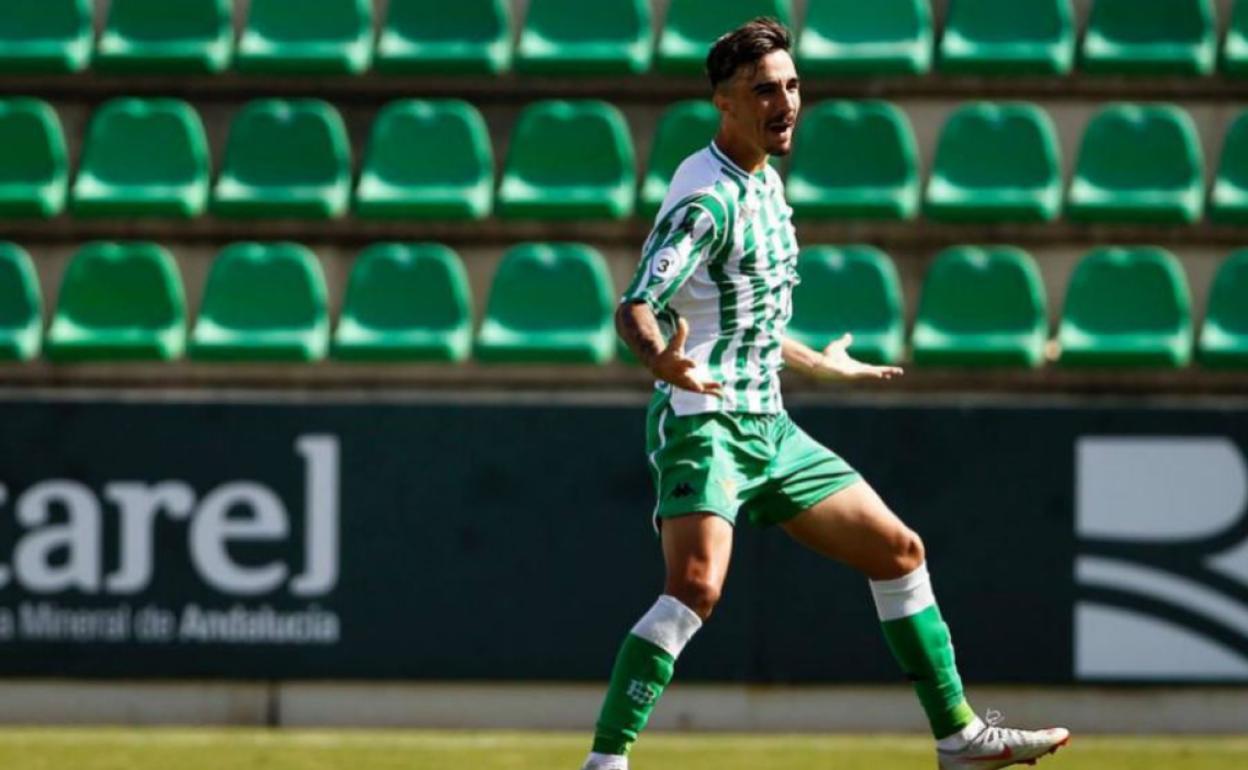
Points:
(842, 343)
(678, 338)
(712, 388)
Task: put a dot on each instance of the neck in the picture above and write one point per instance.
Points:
(745, 155)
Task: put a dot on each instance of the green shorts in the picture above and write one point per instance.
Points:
(760, 464)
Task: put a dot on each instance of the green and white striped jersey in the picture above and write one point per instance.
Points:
(723, 255)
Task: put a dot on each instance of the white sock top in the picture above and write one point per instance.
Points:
(668, 625)
(904, 596)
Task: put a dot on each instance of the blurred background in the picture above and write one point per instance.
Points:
(313, 413)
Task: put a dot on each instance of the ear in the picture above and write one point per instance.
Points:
(721, 101)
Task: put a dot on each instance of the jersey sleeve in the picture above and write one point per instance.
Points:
(684, 238)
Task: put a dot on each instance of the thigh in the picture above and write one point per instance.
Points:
(697, 548)
(853, 526)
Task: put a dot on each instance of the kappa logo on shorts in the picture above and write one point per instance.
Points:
(683, 489)
(1162, 570)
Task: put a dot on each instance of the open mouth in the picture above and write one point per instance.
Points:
(780, 128)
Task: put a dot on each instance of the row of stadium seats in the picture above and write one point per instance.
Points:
(573, 37)
(552, 302)
(575, 159)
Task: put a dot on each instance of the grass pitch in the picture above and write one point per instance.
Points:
(163, 749)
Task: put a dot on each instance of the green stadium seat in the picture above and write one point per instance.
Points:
(34, 166)
(990, 37)
(572, 37)
(848, 37)
(429, 37)
(456, 182)
(1139, 163)
(1127, 307)
(569, 160)
(312, 37)
(874, 173)
(406, 302)
(160, 36)
(263, 302)
(549, 303)
(144, 157)
(1224, 334)
(119, 302)
(1235, 46)
(21, 305)
(996, 162)
(981, 307)
(285, 159)
(683, 129)
(1158, 37)
(45, 35)
(852, 289)
(692, 25)
(1228, 199)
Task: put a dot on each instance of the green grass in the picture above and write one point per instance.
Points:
(162, 749)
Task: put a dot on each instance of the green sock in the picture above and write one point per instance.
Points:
(643, 668)
(642, 671)
(920, 641)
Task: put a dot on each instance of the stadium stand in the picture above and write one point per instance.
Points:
(989, 37)
(263, 302)
(34, 165)
(996, 162)
(849, 289)
(981, 307)
(570, 37)
(1139, 163)
(310, 37)
(21, 305)
(1127, 307)
(873, 175)
(549, 303)
(463, 37)
(285, 158)
(119, 302)
(1158, 37)
(45, 35)
(1228, 199)
(405, 302)
(456, 182)
(1224, 334)
(569, 160)
(143, 157)
(925, 160)
(845, 37)
(692, 25)
(145, 36)
(683, 129)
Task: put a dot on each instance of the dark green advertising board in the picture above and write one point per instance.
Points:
(426, 539)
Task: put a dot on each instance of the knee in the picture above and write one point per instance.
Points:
(697, 593)
(908, 553)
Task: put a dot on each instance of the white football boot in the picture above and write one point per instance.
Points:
(995, 746)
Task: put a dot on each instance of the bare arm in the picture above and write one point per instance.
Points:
(637, 326)
(834, 362)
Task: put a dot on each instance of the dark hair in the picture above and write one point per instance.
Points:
(745, 45)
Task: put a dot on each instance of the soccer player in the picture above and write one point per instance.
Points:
(706, 313)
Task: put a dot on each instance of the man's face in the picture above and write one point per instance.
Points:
(760, 103)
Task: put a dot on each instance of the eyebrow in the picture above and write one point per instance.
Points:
(771, 83)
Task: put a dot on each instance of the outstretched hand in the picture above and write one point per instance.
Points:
(672, 365)
(838, 363)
